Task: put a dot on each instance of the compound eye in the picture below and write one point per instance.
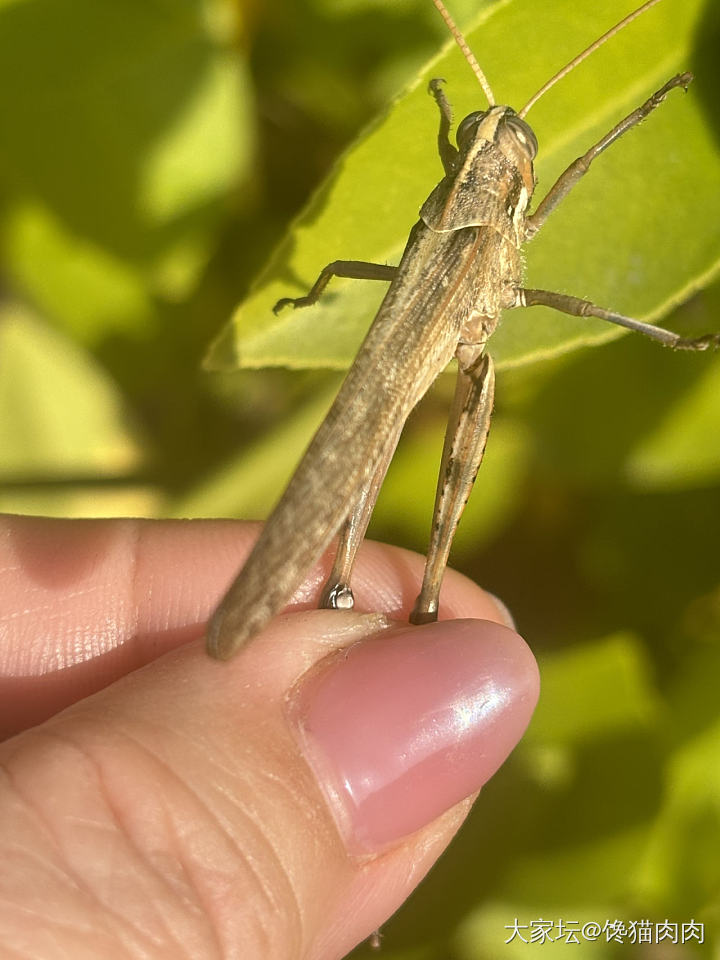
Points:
(466, 129)
(524, 135)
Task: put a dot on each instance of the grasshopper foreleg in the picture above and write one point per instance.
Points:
(464, 446)
(578, 168)
(353, 269)
(584, 308)
(448, 153)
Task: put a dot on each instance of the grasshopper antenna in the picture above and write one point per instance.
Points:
(467, 52)
(586, 53)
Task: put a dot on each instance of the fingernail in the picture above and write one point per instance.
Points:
(399, 728)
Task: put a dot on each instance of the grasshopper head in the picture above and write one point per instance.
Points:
(502, 127)
(491, 180)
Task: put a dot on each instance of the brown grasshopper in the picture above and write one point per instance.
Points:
(460, 269)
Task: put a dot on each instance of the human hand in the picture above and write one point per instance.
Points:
(281, 805)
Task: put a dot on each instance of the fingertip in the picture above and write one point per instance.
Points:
(406, 725)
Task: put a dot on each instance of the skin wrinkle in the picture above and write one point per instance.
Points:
(257, 863)
(68, 594)
(142, 856)
(298, 801)
(293, 797)
(129, 929)
(71, 873)
(250, 829)
(66, 875)
(292, 908)
(10, 782)
(136, 531)
(188, 882)
(41, 916)
(45, 609)
(193, 886)
(145, 863)
(141, 543)
(17, 956)
(103, 636)
(33, 857)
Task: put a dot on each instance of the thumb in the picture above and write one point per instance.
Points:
(281, 805)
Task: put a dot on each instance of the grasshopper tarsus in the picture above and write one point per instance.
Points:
(351, 269)
(709, 341)
(419, 616)
(337, 596)
(682, 80)
(288, 302)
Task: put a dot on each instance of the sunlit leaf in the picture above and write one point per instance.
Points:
(405, 504)
(60, 414)
(681, 451)
(249, 485)
(678, 871)
(83, 500)
(575, 706)
(639, 235)
(126, 125)
(633, 413)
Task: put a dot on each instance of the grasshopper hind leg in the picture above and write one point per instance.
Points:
(463, 450)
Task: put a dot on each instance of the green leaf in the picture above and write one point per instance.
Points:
(638, 235)
(680, 451)
(60, 414)
(679, 873)
(632, 412)
(405, 504)
(250, 483)
(81, 284)
(84, 500)
(575, 706)
(126, 125)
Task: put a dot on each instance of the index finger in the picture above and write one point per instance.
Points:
(84, 602)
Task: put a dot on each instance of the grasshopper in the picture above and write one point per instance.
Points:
(460, 269)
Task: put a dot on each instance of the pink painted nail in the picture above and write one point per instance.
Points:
(401, 727)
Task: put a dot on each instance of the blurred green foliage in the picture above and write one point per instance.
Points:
(152, 155)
